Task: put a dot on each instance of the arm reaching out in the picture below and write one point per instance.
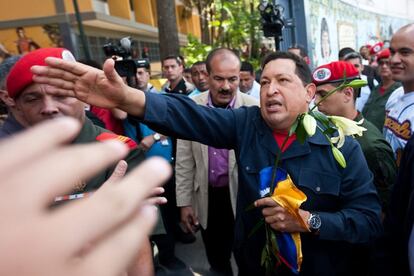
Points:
(93, 86)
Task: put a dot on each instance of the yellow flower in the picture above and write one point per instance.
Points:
(345, 127)
(339, 157)
(309, 123)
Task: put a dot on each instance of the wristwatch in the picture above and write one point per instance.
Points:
(314, 223)
(156, 137)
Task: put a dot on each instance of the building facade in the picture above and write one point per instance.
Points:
(26, 25)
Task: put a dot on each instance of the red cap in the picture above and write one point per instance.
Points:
(384, 54)
(334, 72)
(20, 75)
(376, 48)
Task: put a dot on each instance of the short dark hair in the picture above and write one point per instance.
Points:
(353, 55)
(302, 69)
(302, 50)
(344, 51)
(247, 67)
(218, 51)
(178, 59)
(202, 62)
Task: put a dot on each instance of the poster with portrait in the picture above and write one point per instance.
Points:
(21, 40)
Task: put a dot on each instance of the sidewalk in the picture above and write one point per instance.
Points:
(195, 257)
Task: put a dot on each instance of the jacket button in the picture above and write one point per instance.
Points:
(318, 189)
(247, 168)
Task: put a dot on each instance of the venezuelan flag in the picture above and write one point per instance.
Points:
(287, 195)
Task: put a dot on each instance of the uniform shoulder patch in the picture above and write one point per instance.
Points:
(110, 136)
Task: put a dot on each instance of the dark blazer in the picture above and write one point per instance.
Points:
(345, 199)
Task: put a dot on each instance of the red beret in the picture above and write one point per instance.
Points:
(376, 48)
(384, 54)
(20, 75)
(334, 72)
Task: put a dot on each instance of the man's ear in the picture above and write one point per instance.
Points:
(310, 92)
(4, 97)
(348, 93)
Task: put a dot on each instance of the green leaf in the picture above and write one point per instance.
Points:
(264, 256)
(330, 131)
(259, 224)
(214, 23)
(320, 117)
(301, 134)
(294, 126)
(274, 245)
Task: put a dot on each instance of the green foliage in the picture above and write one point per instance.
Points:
(195, 50)
(234, 24)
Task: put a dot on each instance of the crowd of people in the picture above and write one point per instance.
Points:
(69, 208)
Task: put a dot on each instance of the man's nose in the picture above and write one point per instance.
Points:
(49, 107)
(395, 58)
(226, 85)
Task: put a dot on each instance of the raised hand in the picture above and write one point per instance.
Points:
(83, 236)
(93, 86)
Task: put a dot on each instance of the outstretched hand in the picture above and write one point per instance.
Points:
(84, 236)
(103, 88)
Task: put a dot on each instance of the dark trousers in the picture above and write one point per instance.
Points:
(219, 235)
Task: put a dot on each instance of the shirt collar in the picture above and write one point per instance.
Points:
(229, 106)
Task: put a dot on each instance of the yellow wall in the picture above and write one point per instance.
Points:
(195, 23)
(181, 22)
(84, 5)
(120, 8)
(22, 9)
(143, 12)
(154, 12)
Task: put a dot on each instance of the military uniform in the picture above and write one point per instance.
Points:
(380, 159)
(91, 133)
(374, 109)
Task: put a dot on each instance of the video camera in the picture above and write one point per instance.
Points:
(273, 21)
(127, 66)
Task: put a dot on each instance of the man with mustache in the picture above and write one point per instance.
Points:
(206, 177)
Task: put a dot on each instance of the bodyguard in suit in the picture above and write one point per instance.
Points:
(206, 177)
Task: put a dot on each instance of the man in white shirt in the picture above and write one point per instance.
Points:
(248, 84)
(399, 110)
